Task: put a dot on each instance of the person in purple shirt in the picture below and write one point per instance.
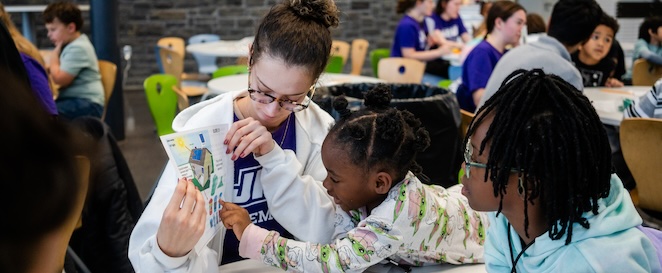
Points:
(39, 83)
(412, 41)
(504, 26)
(446, 20)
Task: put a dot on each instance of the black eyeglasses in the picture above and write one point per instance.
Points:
(286, 104)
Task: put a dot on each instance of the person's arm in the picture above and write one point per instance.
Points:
(428, 55)
(286, 190)
(650, 56)
(359, 249)
(144, 251)
(60, 77)
(466, 38)
(647, 104)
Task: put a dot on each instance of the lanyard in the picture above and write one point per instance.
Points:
(510, 246)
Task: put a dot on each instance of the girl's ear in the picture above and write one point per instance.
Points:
(498, 23)
(383, 182)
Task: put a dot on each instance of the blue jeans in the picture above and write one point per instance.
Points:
(71, 108)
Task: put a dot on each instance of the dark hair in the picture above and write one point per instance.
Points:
(573, 21)
(405, 5)
(297, 31)
(650, 23)
(439, 9)
(39, 160)
(535, 24)
(10, 58)
(379, 136)
(503, 10)
(546, 128)
(66, 12)
(610, 22)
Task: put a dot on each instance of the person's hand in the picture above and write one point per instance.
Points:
(183, 221)
(235, 218)
(248, 136)
(613, 82)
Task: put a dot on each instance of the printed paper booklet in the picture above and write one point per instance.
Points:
(200, 156)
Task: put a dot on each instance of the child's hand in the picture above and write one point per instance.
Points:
(248, 136)
(612, 82)
(235, 218)
(183, 222)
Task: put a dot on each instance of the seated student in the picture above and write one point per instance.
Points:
(592, 60)
(73, 63)
(383, 211)
(505, 21)
(447, 22)
(537, 155)
(649, 44)
(411, 37)
(33, 62)
(571, 23)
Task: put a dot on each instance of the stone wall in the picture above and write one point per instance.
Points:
(143, 22)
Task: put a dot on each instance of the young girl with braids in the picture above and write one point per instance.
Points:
(538, 155)
(383, 212)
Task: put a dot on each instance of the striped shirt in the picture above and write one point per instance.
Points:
(649, 105)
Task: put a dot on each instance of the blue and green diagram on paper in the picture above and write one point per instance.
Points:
(194, 158)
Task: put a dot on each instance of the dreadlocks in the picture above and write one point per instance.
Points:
(380, 136)
(545, 128)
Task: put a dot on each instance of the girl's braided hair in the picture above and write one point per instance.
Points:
(378, 136)
(547, 129)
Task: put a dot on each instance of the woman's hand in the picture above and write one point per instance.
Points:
(235, 218)
(183, 220)
(248, 136)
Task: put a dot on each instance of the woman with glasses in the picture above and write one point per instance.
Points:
(275, 141)
(537, 154)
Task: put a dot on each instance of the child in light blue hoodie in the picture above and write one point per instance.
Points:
(537, 155)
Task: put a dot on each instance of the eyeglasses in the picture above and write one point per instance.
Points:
(289, 105)
(468, 151)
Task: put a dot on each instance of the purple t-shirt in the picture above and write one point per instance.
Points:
(452, 29)
(409, 34)
(476, 70)
(39, 83)
(248, 191)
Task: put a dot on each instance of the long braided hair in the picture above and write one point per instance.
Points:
(379, 137)
(549, 131)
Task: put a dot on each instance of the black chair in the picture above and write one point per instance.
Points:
(112, 208)
(438, 110)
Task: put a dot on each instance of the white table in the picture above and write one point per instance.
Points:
(607, 100)
(223, 48)
(26, 24)
(251, 266)
(240, 82)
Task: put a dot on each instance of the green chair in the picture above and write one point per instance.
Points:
(376, 55)
(334, 65)
(162, 101)
(445, 83)
(230, 70)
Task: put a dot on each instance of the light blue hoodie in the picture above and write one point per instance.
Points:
(611, 244)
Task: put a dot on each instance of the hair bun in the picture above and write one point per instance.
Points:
(324, 12)
(340, 105)
(378, 97)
